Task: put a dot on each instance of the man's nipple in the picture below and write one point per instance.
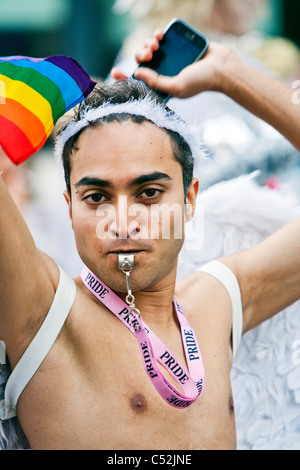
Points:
(138, 403)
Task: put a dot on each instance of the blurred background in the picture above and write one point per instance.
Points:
(102, 33)
(93, 31)
(87, 30)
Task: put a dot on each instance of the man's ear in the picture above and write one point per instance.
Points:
(190, 200)
(68, 199)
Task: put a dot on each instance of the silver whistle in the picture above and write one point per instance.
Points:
(126, 261)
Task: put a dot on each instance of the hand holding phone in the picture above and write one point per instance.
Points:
(202, 75)
(179, 46)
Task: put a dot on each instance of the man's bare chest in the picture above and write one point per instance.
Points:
(94, 383)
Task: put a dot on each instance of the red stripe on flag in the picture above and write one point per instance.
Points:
(14, 142)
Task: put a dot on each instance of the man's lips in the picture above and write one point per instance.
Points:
(134, 251)
(126, 248)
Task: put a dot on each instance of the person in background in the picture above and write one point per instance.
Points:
(232, 22)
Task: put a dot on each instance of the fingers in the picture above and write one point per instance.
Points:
(117, 74)
(150, 45)
(156, 81)
(145, 54)
(158, 34)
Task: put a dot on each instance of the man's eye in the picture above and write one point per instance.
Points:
(151, 193)
(94, 198)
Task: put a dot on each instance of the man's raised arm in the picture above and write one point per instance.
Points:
(28, 280)
(222, 70)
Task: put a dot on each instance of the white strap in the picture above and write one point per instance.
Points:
(223, 274)
(2, 353)
(39, 346)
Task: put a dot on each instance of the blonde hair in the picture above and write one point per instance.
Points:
(154, 14)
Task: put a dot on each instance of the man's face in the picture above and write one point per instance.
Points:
(235, 16)
(127, 195)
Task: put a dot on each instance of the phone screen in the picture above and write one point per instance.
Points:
(180, 47)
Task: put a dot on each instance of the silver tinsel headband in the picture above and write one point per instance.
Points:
(146, 107)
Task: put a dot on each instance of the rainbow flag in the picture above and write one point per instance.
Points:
(34, 94)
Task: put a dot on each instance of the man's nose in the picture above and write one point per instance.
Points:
(124, 225)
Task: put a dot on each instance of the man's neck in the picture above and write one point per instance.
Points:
(156, 302)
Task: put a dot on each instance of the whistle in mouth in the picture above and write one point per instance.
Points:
(126, 262)
(126, 265)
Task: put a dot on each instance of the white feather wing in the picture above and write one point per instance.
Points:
(238, 214)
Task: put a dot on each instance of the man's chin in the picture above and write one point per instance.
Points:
(141, 278)
(118, 284)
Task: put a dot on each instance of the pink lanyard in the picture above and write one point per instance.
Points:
(192, 382)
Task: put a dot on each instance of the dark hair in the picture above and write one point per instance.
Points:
(121, 92)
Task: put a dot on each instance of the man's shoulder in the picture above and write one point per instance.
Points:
(201, 290)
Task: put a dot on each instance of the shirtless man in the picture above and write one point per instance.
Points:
(91, 391)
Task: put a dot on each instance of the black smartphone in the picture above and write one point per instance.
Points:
(180, 46)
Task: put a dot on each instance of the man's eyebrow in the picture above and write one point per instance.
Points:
(93, 181)
(148, 178)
